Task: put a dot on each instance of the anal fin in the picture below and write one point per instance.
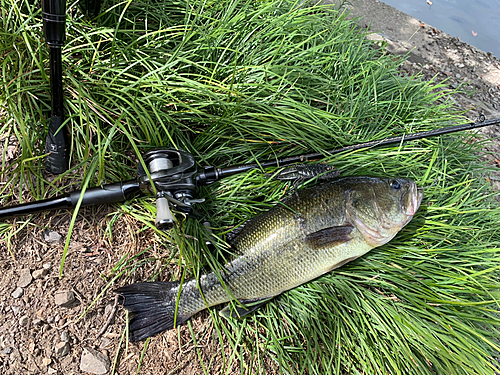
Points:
(249, 306)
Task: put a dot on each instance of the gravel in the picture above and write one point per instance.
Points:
(64, 298)
(51, 237)
(23, 321)
(17, 293)
(41, 273)
(61, 349)
(65, 336)
(94, 362)
(25, 278)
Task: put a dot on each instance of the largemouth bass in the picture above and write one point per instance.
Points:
(311, 232)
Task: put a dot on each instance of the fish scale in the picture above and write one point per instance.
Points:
(311, 232)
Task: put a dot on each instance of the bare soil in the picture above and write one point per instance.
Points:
(32, 325)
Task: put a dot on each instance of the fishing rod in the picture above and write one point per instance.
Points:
(54, 32)
(173, 177)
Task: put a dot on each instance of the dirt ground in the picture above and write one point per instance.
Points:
(35, 329)
(43, 328)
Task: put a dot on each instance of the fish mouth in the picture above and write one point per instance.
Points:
(412, 199)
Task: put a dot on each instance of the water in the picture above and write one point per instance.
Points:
(476, 22)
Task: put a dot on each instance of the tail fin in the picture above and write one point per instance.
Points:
(152, 306)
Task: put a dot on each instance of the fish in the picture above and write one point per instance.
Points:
(309, 233)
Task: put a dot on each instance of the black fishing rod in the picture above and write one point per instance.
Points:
(54, 32)
(218, 173)
(172, 175)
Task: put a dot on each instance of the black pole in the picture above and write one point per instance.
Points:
(107, 194)
(211, 174)
(56, 142)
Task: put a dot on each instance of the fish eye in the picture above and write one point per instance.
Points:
(395, 185)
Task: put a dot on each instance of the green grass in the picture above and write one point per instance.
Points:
(236, 81)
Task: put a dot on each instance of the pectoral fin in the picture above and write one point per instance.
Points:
(248, 307)
(331, 236)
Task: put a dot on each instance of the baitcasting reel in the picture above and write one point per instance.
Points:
(172, 177)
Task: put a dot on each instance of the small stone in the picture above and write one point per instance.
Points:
(7, 351)
(25, 278)
(15, 309)
(64, 298)
(62, 348)
(38, 274)
(23, 321)
(38, 322)
(94, 362)
(50, 319)
(17, 293)
(47, 266)
(46, 361)
(50, 370)
(65, 336)
(51, 236)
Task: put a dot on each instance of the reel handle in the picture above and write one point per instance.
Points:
(164, 218)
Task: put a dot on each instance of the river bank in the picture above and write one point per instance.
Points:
(472, 74)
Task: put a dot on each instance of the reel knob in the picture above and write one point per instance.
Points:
(164, 218)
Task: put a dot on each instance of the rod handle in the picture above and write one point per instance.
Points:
(54, 21)
(112, 193)
(107, 194)
(56, 145)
